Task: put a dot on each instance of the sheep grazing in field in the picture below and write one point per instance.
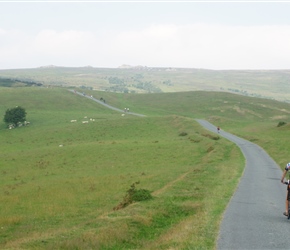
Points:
(123, 114)
(73, 121)
(85, 121)
(19, 124)
(60, 145)
(11, 126)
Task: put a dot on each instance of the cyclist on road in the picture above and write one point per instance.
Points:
(218, 129)
(288, 188)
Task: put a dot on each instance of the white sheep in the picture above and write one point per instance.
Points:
(11, 126)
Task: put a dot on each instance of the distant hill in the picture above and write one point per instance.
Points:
(48, 66)
(272, 84)
(8, 82)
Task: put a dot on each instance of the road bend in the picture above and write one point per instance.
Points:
(253, 218)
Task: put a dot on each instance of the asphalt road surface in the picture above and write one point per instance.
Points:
(253, 218)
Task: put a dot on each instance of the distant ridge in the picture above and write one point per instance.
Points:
(126, 66)
(54, 66)
(48, 66)
(271, 84)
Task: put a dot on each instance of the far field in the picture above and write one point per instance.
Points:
(62, 197)
(272, 84)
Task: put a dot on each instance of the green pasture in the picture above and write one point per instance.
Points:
(59, 181)
(254, 119)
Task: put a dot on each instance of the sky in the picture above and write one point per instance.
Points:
(183, 34)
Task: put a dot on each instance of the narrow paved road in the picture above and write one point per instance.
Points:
(253, 218)
(104, 104)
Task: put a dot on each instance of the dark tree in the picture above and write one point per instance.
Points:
(15, 115)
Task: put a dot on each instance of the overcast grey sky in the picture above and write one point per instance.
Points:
(192, 34)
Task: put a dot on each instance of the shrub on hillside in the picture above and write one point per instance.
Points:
(213, 137)
(15, 115)
(134, 195)
(281, 124)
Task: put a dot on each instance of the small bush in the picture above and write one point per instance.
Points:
(183, 134)
(281, 124)
(141, 195)
(134, 195)
(15, 115)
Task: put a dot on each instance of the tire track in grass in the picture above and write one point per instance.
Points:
(170, 184)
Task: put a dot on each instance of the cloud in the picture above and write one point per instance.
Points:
(195, 45)
(72, 42)
(208, 46)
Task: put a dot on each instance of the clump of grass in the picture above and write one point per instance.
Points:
(183, 134)
(213, 137)
(281, 123)
(134, 195)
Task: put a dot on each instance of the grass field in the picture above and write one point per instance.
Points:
(255, 119)
(63, 197)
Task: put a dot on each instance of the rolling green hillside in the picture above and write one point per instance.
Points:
(255, 119)
(272, 84)
(60, 180)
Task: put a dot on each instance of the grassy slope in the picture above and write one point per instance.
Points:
(63, 197)
(255, 119)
